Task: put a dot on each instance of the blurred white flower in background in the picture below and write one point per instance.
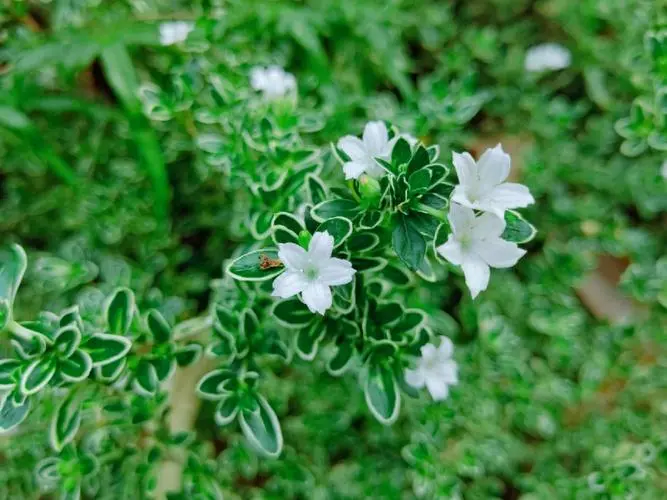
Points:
(663, 170)
(273, 81)
(175, 32)
(375, 143)
(435, 369)
(311, 273)
(481, 183)
(475, 245)
(547, 57)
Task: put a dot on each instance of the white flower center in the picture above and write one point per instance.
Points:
(311, 272)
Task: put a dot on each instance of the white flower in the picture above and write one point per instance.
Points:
(547, 56)
(273, 81)
(663, 169)
(175, 32)
(435, 369)
(362, 153)
(311, 273)
(481, 184)
(475, 244)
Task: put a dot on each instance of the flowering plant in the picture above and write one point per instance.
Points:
(278, 250)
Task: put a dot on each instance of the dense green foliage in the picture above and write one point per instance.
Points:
(138, 177)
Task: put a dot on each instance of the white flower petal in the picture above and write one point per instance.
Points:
(493, 167)
(415, 378)
(429, 351)
(257, 78)
(451, 250)
(353, 169)
(498, 253)
(289, 284)
(376, 138)
(438, 389)
(320, 248)
(460, 196)
(450, 372)
(461, 219)
(317, 297)
(510, 195)
(353, 147)
(488, 226)
(466, 170)
(292, 255)
(547, 56)
(476, 273)
(336, 272)
(446, 348)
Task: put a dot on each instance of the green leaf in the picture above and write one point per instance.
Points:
(111, 371)
(288, 221)
(335, 208)
(366, 264)
(339, 228)
(188, 354)
(67, 340)
(382, 395)
(211, 385)
(120, 311)
(280, 234)
(13, 263)
(77, 367)
(342, 360)
(370, 219)
(291, 313)
(37, 375)
(249, 324)
(401, 153)
(419, 160)
(158, 327)
(388, 313)
(146, 381)
(317, 190)
(362, 242)
(227, 320)
(105, 349)
(65, 422)
(226, 410)
(258, 265)
(11, 413)
(408, 243)
(517, 230)
(9, 371)
(419, 182)
(435, 200)
(262, 428)
(307, 340)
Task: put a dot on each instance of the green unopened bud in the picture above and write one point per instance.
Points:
(369, 189)
(304, 239)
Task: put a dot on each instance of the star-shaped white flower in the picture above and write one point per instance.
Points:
(362, 153)
(435, 369)
(311, 273)
(273, 81)
(547, 57)
(481, 183)
(175, 32)
(475, 245)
